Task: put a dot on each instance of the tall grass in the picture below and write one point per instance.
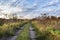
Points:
(46, 32)
(9, 29)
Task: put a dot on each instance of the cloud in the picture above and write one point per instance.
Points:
(31, 15)
(28, 8)
(19, 3)
(47, 10)
(7, 9)
(51, 3)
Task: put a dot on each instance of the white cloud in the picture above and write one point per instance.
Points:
(9, 9)
(31, 15)
(47, 10)
(51, 3)
(13, 0)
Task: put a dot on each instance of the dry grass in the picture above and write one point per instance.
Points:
(9, 29)
(46, 29)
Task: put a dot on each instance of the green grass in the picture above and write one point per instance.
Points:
(57, 32)
(43, 35)
(53, 31)
(9, 29)
(24, 35)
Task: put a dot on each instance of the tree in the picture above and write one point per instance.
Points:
(14, 17)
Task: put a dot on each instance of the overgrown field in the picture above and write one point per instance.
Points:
(10, 28)
(47, 30)
(24, 34)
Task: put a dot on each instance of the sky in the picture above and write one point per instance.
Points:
(30, 8)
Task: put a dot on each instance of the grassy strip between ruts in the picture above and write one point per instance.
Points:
(24, 35)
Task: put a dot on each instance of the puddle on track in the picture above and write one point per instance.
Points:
(32, 33)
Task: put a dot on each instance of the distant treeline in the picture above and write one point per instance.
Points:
(47, 18)
(2, 21)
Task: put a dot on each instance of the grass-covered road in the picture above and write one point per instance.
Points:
(24, 35)
(27, 33)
